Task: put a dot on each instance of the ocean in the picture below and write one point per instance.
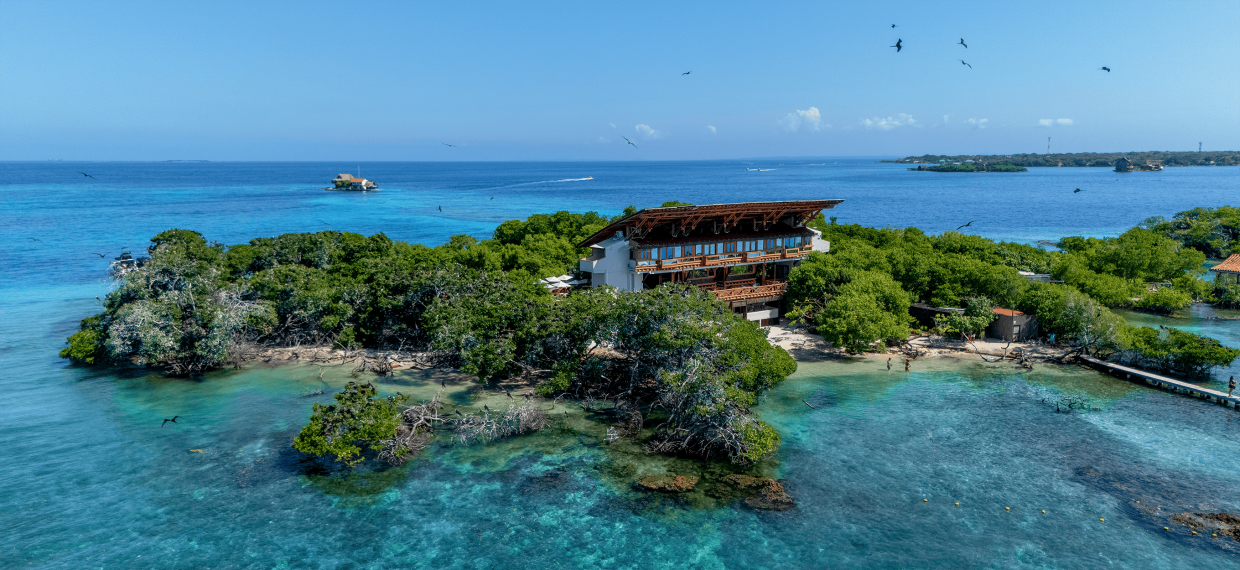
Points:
(89, 478)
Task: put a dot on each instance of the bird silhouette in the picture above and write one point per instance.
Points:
(485, 407)
(166, 420)
(446, 144)
(492, 197)
(441, 208)
(626, 139)
(99, 254)
(893, 25)
(324, 223)
(687, 73)
(898, 45)
(966, 46)
(1077, 190)
(509, 394)
(85, 174)
(459, 414)
(35, 239)
(965, 226)
(1105, 68)
(963, 63)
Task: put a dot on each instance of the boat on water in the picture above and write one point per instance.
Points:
(350, 183)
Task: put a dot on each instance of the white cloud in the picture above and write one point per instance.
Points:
(978, 123)
(613, 125)
(945, 118)
(712, 129)
(1051, 122)
(889, 122)
(646, 132)
(810, 118)
(604, 140)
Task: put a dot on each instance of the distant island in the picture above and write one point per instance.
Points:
(970, 166)
(1101, 159)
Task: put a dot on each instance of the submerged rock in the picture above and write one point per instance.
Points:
(668, 483)
(1224, 524)
(759, 492)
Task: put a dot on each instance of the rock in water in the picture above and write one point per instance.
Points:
(668, 483)
(763, 493)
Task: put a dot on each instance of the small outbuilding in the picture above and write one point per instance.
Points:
(925, 313)
(1230, 267)
(1012, 326)
(1123, 165)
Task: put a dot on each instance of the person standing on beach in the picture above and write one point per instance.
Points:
(889, 366)
(1231, 386)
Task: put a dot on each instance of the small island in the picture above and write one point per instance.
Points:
(348, 182)
(661, 333)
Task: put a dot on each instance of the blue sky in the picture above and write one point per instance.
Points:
(560, 80)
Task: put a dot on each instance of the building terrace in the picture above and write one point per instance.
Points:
(742, 252)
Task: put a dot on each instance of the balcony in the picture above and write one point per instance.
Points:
(703, 261)
(754, 292)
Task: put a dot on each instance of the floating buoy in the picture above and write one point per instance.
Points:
(925, 500)
(1007, 508)
(1194, 533)
(1043, 511)
(957, 504)
(1215, 535)
(1102, 520)
(1166, 528)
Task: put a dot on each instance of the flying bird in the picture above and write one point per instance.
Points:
(893, 25)
(446, 144)
(35, 239)
(965, 226)
(687, 73)
(85, 174)
(964, 63)
(898, 45)
(1077, 190)
(626, 139)
(507, 393)
(324, 223)
(1105, 68)
(99, 254)
(166, 420)
(966, 46)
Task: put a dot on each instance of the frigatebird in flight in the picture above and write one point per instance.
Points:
(963, 62)
(898, 46)
(965, 226)
(446, 144)
(966, 46)
(893, 25)
(1105, 68)
(1077, 190)
(166, 420)
(85, 174)
(687, 73)
(626, 139)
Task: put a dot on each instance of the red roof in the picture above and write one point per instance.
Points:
(1007, 312)
(1229, 265)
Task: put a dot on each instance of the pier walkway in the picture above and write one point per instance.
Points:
(1170, 384)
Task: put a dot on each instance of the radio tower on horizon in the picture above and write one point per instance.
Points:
(1198, 147)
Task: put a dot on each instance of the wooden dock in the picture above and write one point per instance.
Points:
(1169, 384)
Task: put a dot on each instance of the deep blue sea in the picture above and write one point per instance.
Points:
(89, 478)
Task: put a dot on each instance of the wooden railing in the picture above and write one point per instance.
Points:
(741, 293)
(699, 261)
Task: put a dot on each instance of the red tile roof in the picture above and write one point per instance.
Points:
(1229, 265)
(1007, 312)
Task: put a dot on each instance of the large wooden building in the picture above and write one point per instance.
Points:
(742, 252)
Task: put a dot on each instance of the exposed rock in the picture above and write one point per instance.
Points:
(1224, 524)
(668, 483)
(759, 492)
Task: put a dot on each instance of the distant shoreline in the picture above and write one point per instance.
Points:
(1083, 159)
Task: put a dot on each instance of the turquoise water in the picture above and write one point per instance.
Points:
(89, 479)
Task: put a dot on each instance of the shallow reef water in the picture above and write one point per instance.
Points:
(90, 479)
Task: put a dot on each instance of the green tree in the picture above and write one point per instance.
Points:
(359, 419)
